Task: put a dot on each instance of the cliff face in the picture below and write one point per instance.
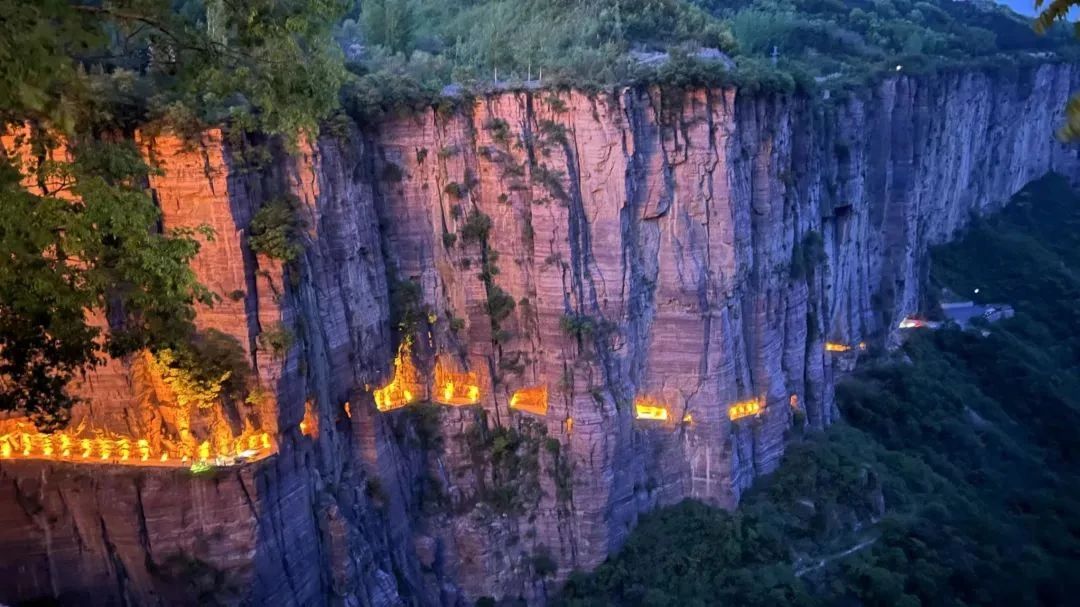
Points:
(686, 252)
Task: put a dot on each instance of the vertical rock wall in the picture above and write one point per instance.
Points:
(697, 249)
(694, 250)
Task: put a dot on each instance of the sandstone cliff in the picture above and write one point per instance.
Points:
(690, 252)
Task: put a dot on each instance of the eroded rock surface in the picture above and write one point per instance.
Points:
(690, 251)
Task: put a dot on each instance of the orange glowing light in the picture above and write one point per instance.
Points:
(403, 388)
(531, 400)
(744, 409)
(144, 449)
(569, 425)
(309, 426)
(688, 419)
(455, 388)
(794, 401)
(5, 450)
(204, 450)
(835, 347)
(648, 408)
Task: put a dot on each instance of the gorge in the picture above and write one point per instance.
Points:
(513, 328)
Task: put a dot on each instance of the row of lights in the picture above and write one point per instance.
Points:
(123, 450)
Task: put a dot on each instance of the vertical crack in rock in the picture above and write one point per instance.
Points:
(638, 144)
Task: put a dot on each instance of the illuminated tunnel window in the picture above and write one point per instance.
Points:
(531, 400)
(832, 346)
(650, 409)
(744, 409)
(405, 387)
(453, 388)
(309, 425)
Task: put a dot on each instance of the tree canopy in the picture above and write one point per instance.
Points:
(1053, 12)
(79, 234)
(406, 51)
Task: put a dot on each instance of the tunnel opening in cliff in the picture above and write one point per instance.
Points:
(746, 408)
(309, 425)
(455, 388)
(405, 387)
(833, 346)
(532, 400)
(648, 408)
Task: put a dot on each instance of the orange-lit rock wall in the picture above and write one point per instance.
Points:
(668, 228)
(647, 244)
(267, 532)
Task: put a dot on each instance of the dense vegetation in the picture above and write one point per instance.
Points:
(80, 237)
(407, 50)
(954, 479)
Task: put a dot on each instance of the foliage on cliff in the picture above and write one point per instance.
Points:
(953, 482)
(120, 63)
(465, 40)
(276, 228)
(209, 367)
(1053, 13)
(80, 237)
(65, 259)
(406, 51)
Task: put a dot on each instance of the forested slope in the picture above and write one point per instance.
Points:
(404, 52)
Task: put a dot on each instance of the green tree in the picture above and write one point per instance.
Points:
(390, 23)
(79, 235)
(1051, 13)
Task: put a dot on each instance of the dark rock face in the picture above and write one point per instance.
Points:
(690, 253)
